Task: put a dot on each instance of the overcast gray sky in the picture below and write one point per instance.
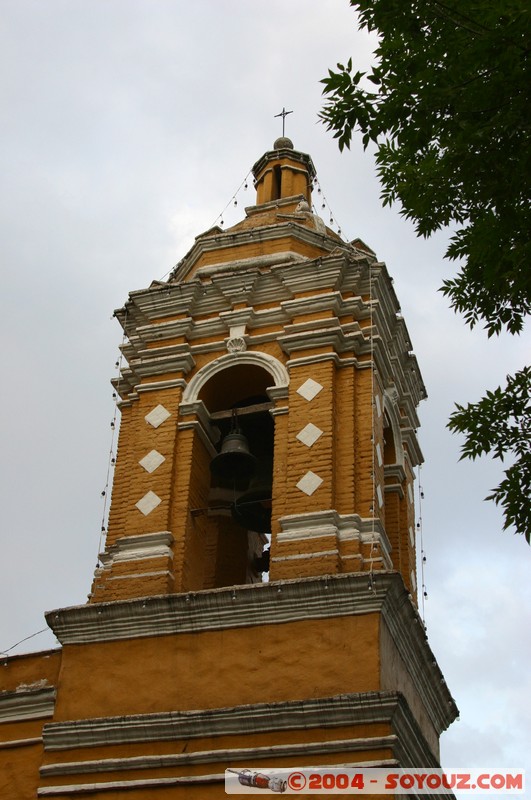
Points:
(127, 126)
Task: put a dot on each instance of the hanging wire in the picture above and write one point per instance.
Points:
(424, 593)
(111, 461)
(25, 639)
(324, 205)
(373, 439)
(233, 200)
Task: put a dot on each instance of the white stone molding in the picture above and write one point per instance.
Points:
(152, 461)
(134, 576)
(157, 416)
(262, 604)
(278, 371)
(200, 422)
(305, 556)
(343, 338)
(411, 536)
(71, 790)
(395, 475)
(254, 262)
(15, 743)
(266, 233)
(138, 548)
(337, 711)
(298, 527)
(390, 398)
(406, 741)
(27, 702)
(236, 344)
(391, 395)
(159, 361)
(153, 386)
(253, 604)
(148, 503)
(243, 754)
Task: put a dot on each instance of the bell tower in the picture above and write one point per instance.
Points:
(270, 394)
(255, 604)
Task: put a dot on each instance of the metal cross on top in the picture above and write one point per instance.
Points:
(283, 114)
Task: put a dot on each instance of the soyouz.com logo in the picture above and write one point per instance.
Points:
(373, 780)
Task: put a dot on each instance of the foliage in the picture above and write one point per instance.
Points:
(447, 104)
(511, 408)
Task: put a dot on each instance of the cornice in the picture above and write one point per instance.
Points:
(326, 712)
(218, 609)
(249, 236)
(244, 754)
(27, 702)
(285, 153)
(293, 288)
(406, 742)
(270, 604)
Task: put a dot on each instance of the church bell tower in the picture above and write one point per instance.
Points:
(255, 604)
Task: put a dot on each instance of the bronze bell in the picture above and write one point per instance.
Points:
(252, 510)
(235, 465)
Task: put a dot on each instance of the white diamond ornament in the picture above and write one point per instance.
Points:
(309, 434)
(147, 503)
(157, 416)
(152, 460)
(309, 389)
(309, 483)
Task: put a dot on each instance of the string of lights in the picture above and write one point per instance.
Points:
(324, 205)
(371, 584)
(233, 200)
(111, 461)
(423, 593)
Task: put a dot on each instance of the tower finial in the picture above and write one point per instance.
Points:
(283, 114)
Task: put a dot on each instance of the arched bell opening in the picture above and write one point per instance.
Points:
(240, 474)
(396, 505)
(389, 456)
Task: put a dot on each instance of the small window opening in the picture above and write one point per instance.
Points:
(277, 183)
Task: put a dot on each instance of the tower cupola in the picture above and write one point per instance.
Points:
(283, 172)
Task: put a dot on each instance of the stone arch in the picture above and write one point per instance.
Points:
(274, 367)
(391, 414)
(226, 538)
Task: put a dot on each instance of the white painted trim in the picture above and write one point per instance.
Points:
(152, 386)
(165, 572)
(230, 754)
(336, 711)
(304, 556)
(255, 262)
(390, 398)
(138, 548)
(146, 783)
(270, 364)
(297, 527)
(27, 703)
(20, 742)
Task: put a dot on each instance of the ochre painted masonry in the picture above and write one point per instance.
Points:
(256, 616)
